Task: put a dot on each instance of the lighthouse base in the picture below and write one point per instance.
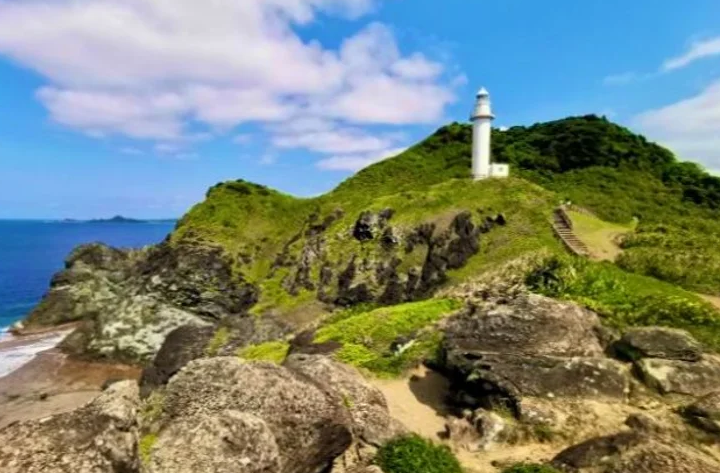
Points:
(499, 171)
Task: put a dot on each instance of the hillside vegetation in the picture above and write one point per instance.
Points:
(401, 229)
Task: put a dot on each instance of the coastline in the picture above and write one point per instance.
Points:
(37, 380)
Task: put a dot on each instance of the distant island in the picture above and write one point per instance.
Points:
(115, 219)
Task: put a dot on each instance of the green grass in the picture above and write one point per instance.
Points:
(219, 340)
(145, 446)
(274, 352)
(624, 299)
(366, 337)
(413, 454)
(152, 408)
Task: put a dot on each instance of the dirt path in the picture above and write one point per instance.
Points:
(418, 402)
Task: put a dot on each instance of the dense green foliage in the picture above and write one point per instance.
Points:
(624, 299)
(530, 468)
(413, 454)
(367, 336)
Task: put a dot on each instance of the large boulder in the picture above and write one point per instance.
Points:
(633, 452)
(659, 342)
(705, 413)
(681, 377)
(100, 437)
(372, 423)
(528, 346)
(296, 418)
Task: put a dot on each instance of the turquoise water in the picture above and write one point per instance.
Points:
(32, 251)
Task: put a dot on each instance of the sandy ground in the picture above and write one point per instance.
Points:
(51, 383)
(418, 402)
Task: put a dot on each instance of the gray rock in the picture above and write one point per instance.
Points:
(226, 442)
(372, 423)
(659, 342)
(100, 437)
(530, 345)
(705, 412)
(527, 325)
(310, 426)
(680, 377)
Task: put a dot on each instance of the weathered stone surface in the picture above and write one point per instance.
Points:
(528, 325)
(310, 425)
(705, 412)
(500, 352)
(100, 437)
(180, 347)
(659, 342)
(226, 442)
(681, 377)
(633, 452)
(129, 301)
(477, 431)
(371, 420)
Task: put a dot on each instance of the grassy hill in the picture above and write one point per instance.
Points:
(402, 229)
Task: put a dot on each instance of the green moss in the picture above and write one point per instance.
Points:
(271, 351)
(152, 408)
(413, 454)
(219, 340)
(145, 446)
(530, 468)
(366, 337)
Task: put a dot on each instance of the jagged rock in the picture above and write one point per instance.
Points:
(659, 342)
(100, 437)
(530, 346)
(363, 230)
(307, 421)
(129, 301)
(181, 346)
(705, 412)
(633, 452)
(680, 377)
(528, 325)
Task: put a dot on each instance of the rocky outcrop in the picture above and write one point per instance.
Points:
(705, 413)
(298, 418)
(680, 377)
(501, 352)
(100, 437)
(129, 301)
(659, 342)
(634, 452)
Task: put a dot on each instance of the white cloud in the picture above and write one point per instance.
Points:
(690, 127)
(268, 159)
(698, 50)
(242, 139)
(159, 69)
(355, 162)
(130, 151)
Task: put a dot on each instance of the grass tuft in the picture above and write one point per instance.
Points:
(274, 352)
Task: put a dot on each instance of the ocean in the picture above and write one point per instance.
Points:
(32, 251)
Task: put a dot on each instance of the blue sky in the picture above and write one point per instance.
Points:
(136, 107)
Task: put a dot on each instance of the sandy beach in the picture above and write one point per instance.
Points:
(50, 382)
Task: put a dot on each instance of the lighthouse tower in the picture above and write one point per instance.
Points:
(482, 118)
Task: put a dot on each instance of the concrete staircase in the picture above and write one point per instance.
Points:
(562, 225)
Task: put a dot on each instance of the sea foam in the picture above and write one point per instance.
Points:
(15, 352)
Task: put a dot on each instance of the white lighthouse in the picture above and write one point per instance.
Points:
(482, 118)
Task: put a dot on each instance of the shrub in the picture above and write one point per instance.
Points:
(413, 454)
(530, 468)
